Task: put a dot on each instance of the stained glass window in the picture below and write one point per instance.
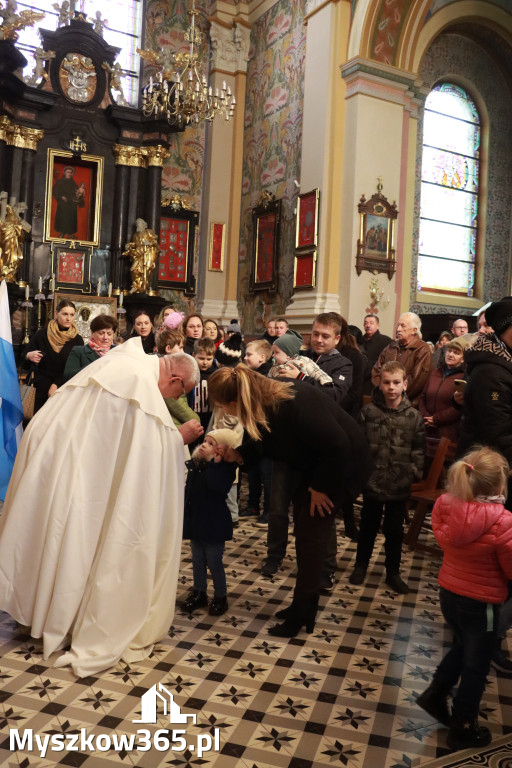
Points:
(123, 29)
(449, 192)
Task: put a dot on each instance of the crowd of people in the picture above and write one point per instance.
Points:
(312, 425)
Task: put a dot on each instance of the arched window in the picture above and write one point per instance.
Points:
(449, 192)
(123, 29)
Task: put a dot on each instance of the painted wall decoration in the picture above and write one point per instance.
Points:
(272, 145)
(454, 54)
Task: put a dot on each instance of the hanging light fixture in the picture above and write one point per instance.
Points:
(180, 92)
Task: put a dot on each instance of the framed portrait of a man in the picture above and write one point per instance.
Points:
(73, 198)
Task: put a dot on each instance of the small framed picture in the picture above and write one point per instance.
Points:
(266, 227)
(72, 268)
(306, 236)
(304, 273)
(376, 243)
(87, 308)
(216, 250)
(73, 198)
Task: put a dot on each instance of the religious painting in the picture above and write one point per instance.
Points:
(216, 249)
(304, 272)
(73, 198)
(87, 308)
(266, 225)
(306, 235)
(376, 243)
(71, 267)
(177, 243)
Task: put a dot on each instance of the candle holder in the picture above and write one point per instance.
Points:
(39, 297)
(26, 306)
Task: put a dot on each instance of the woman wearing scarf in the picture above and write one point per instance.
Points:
(103, 328)
(48, 351)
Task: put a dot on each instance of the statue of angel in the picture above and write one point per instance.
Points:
(39, 71)
(116, 72)
(11, 239)
(99, 24)
(64, 12)
(164, 60)
(12, 22)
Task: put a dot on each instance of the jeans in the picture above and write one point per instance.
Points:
(474, 635)
(393, 528)
(260, 474)
(209, 553)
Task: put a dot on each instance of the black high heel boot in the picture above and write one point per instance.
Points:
(296, 616)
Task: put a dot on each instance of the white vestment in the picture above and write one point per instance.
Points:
(91, 530)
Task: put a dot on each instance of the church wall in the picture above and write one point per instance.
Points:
(272, 146)
(462, 60)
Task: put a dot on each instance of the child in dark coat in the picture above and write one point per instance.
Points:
(396, 435)
(207, 520)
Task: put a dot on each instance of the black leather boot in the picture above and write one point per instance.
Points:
(434, 700)
(298, 615)
(196, 599)
(464, 734)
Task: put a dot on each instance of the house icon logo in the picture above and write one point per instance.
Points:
(149, 705)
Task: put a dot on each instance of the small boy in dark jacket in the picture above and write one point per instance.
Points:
(396, 435)
(207, 519)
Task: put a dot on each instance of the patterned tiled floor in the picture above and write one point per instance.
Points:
(342, 696)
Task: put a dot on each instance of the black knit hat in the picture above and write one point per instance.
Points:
(229, 352)
(499, 315)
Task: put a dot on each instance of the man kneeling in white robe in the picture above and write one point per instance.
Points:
(91, 530)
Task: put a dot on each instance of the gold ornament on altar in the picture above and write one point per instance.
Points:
(13, 22)
(11, 238)
(143, 251)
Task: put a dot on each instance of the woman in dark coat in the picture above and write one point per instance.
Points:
(103, 328)
(328, 459)
(436, 404)
(193, 329)
(48, 351)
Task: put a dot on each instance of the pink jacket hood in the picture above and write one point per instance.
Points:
(459, 523)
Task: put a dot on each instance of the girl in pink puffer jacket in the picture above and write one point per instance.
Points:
(474, 531)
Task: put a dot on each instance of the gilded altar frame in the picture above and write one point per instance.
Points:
(87, 175)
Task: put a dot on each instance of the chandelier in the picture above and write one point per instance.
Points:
(180, 92)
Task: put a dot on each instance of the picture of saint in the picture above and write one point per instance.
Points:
(69, 196)
(377, 235)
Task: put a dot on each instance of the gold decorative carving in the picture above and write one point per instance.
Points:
(77, 77)
(26, 138)
(5, 128)
(176, 202)
(265, 199)
(126, 155)
(157, 155)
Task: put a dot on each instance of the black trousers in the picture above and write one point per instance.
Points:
(371, 515)
(312, 537)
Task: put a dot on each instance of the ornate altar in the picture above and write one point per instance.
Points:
(86, 166)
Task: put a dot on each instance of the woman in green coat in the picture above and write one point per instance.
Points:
(103, 328)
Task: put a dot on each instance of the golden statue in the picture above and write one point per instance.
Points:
(11, 238)
(143, 251)
(12, 22)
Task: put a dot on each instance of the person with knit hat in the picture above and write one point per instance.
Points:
(285, 350)
(233, 327)
(207, 520)
(231, 351)
(487, 415)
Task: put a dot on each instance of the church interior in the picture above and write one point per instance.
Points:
(351, 156)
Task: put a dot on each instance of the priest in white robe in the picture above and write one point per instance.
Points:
(91, 529)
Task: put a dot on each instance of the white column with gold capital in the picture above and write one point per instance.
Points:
(222, 176)
(328, 27)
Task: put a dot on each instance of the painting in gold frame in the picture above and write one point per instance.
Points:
(304, 272)
(376, 242)
(74, 186)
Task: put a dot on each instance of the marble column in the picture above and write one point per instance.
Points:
(127, 158)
